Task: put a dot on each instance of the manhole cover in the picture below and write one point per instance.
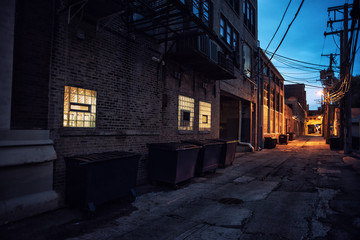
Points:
(231, 201)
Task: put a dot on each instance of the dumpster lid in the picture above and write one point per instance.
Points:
(104, 156)
(202, 142)
(223, 140)
(172, 146)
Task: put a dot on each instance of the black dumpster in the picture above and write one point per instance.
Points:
(335, 143)
(209, 155)
(283, 138)
(100, 177)
(172, 162)
(270, 142)
(228, 151)
(291, 136)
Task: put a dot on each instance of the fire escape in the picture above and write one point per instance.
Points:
(184, 27)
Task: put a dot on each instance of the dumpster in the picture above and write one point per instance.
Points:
(209, 155)
(172, 162)
(270, 142)
(97, 178)
(335, 143)
(291, 136)
(228, 151)
(283, 138)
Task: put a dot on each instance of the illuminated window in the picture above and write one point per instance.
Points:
(79, 107)
(186, 113)
(204, 116)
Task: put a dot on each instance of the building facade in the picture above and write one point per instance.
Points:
(295, 98)
(93, 76)
(272, 98)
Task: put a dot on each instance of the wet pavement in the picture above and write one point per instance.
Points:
(297, 191)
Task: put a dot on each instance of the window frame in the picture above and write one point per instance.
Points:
(247, 71)
(185, 104)
(235, 5)
(202, 10)
(205, 109)
(249, 16)
(82, 98)
(227, 33)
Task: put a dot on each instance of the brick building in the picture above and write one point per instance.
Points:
(290, 121)
(272, 98)
(295, 98)
(94, 76)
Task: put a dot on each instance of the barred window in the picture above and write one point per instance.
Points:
(79, 107)
(204, 116)
(186, 113)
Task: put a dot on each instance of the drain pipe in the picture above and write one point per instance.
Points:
(251, 148)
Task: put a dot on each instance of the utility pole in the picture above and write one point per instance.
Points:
(348, 125)
(327, 81)
(260, 103)
(345, 103)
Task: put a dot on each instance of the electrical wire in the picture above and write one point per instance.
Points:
(279, 25)
(295, 60)
(287, 30)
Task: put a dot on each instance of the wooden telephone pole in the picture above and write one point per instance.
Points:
(328, 82)
(345, 103)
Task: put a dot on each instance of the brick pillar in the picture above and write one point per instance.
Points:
(7, 22)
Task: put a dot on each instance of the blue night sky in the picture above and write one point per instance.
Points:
(305, 40)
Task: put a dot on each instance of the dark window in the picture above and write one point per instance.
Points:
(249, 16)
(235, 5)
(201, 9)
(265, 70)
(185, 118)
(222, 27)
(228, 33)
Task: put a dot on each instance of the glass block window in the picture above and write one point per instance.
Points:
(79, 107)
(204, 116)
(186, 113)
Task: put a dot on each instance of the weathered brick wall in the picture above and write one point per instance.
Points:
(190, 85)
(131, 90)
(32, 49)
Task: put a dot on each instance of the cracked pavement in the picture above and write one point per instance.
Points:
(297, 191)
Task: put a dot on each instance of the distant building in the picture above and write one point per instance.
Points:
(295, 98)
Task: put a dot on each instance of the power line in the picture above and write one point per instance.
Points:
(306, 85)
(278, 25)
(288, 29)
(295, 60)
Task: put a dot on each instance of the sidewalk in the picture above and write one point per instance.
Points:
(297, 191)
